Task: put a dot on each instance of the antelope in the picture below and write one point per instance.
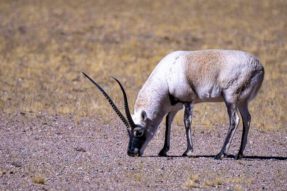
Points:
(182, 79)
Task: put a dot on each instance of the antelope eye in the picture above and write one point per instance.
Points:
(138, 132)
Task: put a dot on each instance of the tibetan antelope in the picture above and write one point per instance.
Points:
(184, 78)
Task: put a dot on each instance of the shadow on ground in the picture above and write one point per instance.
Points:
(251, 157)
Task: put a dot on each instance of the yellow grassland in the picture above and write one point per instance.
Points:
(45, 45)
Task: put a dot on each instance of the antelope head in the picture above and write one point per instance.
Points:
(138, 135)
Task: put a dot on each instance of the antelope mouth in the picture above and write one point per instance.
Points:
(132, 154)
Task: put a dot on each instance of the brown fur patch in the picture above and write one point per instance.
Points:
(205, 66)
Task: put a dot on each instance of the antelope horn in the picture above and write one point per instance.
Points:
(127, 110)
(115, 108)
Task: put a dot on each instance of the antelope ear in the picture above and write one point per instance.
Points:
(144, 116)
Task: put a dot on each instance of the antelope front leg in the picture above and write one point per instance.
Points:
(166, 146)
(187, 124)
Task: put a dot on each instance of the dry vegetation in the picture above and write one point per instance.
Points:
(44, 46)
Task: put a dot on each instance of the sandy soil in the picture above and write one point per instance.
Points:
(41, 152)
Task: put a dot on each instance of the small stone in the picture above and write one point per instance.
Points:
(80, 149)
(16, 164)
(2, 172)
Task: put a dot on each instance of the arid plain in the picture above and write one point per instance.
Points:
(58, 132)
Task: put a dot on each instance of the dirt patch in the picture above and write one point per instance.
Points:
(42, 152)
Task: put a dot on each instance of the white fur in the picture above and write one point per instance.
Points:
(224, 72)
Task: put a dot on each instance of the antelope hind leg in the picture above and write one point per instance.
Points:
(234, 120)
(246, 118)
(187, 124)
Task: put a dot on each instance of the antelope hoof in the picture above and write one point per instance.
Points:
(187, 153)
(219, 156)
(239, 156)
(162, 153)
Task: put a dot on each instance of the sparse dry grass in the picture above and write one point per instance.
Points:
(38, 179)
(192, 182)
(210, 179)
(45, 45)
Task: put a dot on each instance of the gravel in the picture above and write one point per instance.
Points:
(43, 152)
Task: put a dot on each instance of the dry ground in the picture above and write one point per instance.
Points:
(55, 153)
(54, 127)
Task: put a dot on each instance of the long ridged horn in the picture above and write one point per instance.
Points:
(127, 110)
(115, 108)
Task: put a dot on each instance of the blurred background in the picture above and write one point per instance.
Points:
(45, 45)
